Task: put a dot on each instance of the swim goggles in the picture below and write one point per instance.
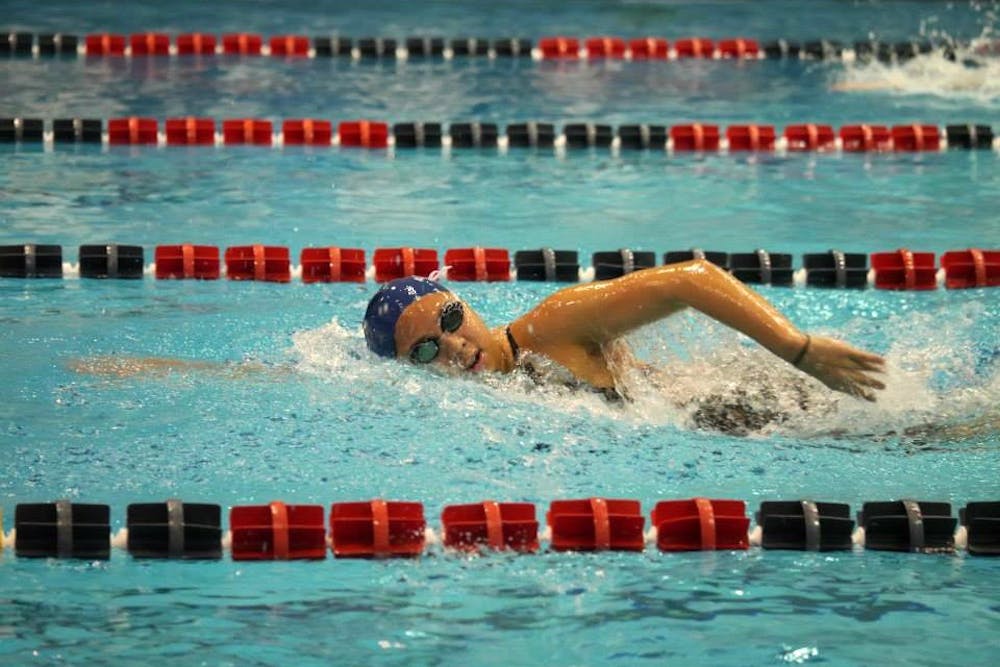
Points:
(426, 351)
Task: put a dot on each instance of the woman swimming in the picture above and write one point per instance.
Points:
(579, 329)
(575, 338)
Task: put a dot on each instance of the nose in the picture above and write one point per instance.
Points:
(453, 348)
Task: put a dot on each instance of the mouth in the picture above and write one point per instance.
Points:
(477, 362)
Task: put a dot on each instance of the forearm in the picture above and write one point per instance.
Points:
(710, 290)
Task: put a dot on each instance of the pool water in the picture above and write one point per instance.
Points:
(298, 410)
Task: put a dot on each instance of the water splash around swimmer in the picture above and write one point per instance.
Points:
(966, 73)
(936, 378)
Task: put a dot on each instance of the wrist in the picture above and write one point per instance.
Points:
(801, 354)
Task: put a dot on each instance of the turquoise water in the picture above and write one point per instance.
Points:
(324, 422)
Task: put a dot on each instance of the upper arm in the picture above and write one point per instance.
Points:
(595, 313)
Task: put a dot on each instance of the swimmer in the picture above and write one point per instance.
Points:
(579, 330)
(575, 338)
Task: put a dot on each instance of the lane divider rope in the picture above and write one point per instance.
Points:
(202, 44)
(901, 269)
(374, 134)
(385, 528)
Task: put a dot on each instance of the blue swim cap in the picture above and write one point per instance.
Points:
(387, 305)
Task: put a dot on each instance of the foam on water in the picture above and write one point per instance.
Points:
(973, 75)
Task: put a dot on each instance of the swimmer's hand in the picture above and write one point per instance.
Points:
(842, 367)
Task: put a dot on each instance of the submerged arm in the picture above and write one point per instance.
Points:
(155, 367)
(856, 86)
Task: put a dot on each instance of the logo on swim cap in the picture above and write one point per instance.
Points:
(387, 305)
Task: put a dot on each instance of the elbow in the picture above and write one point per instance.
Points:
(683, 282)
(697, 270)
(703, 267)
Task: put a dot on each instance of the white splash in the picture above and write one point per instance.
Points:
(331, 349)
(973, 75)
(936, 387)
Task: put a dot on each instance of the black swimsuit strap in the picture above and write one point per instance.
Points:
(514, 347)
(610, 393)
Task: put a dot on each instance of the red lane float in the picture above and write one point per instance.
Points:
(694, 48)
(364, 134)
(190, 131)
(132, 131)
(695, 137)
(187, 261)
(241, 44)
(904, 270)
(105, 45)
(498, 526)
(605, 47)
(278, 532)
(865, 138)
(377, 529)
(739, 48)
(809, 137)
(971, 268)
(333, 265)
(916, 138)
(258, 262)
(392, 263)
(649, 48)
(596, 524)
(750, 137)
(559, 47)
(247, 131)
(480, 264)
(700, 524)
(150, 44)
(196, 44)
(295, 46)
(307, 132)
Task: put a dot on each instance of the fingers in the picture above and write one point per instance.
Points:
(877, 384)
(853, 383)
(857, 389)
(871, 385)
(870, 382)
(862, 386)
(876, 365)
(873, 363)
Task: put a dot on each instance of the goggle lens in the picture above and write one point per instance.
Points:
(424, 352)
(452, 317)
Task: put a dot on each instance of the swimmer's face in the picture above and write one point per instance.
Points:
(440, 330)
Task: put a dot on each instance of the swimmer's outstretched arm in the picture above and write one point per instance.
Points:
(861, 86)
(122, 367)
(588, 316)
